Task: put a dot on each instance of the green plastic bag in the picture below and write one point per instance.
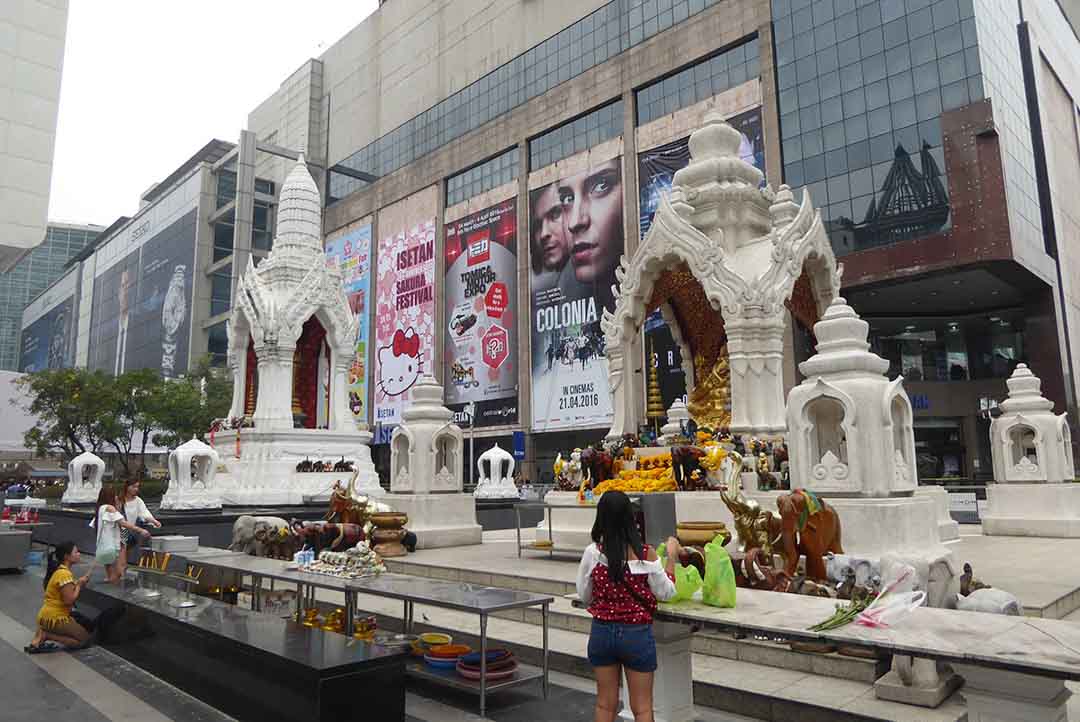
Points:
(718, 587)
(687, 579)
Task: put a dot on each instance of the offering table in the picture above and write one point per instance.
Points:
(251, 666)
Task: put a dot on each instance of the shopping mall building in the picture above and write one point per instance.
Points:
(485, 164)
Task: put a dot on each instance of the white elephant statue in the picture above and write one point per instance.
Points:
(991, 601)
(254, 535)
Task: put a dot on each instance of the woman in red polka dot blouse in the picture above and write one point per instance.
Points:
(620, 580)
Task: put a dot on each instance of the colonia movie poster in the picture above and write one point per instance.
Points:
(405, 310)
(656, 169)
(351, 253)
(575, 242)
(481, 315)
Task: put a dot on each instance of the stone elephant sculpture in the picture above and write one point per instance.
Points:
(810, 527)
(326, 536)
(260, 536)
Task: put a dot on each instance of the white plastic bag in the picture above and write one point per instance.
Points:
(896, 599)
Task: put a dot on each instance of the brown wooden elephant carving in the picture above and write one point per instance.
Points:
(810, 527)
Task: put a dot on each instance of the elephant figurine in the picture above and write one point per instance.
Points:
(343, 466)
(685, 461)
(326, 535)
(810, 527)
(597, 465)
(258, 535)
(304, 466)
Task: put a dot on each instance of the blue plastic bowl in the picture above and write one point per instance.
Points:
(494, 655)
(438, 663)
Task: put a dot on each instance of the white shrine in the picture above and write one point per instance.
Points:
(1033, 466)
(851, 441)
(494, 482)
(427, 465)
(192, 469)
(746, 248)
(84, 473)
(292, 339)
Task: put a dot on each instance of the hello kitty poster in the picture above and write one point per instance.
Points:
(404, 315)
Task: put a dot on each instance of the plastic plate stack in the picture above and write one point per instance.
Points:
(445, 656)
(500, 665)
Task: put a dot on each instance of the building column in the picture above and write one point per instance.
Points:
(244, 210)
(524, 299)
(341, 418)
(634, 362)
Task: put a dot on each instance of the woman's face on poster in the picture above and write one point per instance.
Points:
(549, 230)
(592, 210)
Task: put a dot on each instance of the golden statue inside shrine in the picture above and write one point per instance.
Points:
(710, 400)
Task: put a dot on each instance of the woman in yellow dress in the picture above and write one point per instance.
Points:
(54, 620)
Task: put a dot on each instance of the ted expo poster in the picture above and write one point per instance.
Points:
(351, 254)
(575, 242)
(481, 315)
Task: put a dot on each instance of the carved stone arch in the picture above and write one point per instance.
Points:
(799, 247)
(402, 453)
(898, 418)
(1066, 440)
(826, 471)
(671, 242)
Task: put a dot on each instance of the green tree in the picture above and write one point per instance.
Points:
(185, 407)
(72, 409)
(131, 419)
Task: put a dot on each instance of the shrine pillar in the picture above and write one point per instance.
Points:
(273, 408)
(341, 418)
(756, 357)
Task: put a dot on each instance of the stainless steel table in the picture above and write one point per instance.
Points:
(461, 597)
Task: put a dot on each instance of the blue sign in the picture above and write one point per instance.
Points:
(519, 445)
(920, 402)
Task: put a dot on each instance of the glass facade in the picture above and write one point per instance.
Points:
(698, 82)
(492, 173)
(585, 132)
(951, 348)
(603, 34)
(862, 85)
(262, 231)
(218, 344)
(30, 276)
(220, 290)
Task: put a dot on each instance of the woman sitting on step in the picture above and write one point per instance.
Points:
(54, 621)
(620, 580)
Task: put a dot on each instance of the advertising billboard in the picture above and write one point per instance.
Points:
(47, 342)
(656, 169)
(481, 315)
(141, 314)
(575, 242)
(351, 253)
(405, 304)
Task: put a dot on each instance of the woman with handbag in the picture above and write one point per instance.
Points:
(135, 511)
(620, 581)
(109, 522)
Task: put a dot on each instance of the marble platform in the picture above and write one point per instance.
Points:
(1035, 510)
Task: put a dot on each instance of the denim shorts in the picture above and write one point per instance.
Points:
(631, 645)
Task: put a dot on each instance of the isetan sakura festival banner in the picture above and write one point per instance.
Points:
(575, 242)
(405, 310)
(351, 253)
(481, 315)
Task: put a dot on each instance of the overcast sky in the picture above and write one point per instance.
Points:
(147, 83)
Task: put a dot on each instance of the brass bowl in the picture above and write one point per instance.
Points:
(700, 533)
(389, 519)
